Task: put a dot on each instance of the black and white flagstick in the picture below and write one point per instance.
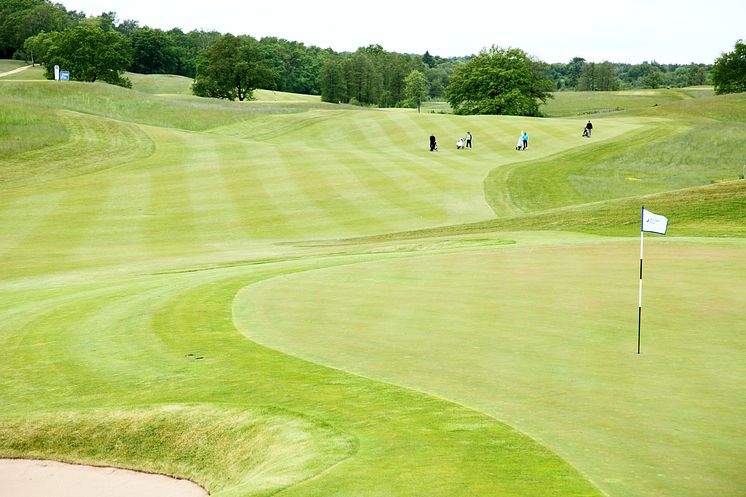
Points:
(652, 223)
(639, 301)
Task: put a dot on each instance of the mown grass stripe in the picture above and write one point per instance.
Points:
(393, 201)
(268, 195)
(317, 185)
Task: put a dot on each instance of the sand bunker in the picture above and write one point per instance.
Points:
(24, 478)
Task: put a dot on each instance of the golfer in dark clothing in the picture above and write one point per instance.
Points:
(433, 145)
(468, 139)
(588, 129)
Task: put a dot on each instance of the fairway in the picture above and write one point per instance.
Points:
(291, 296)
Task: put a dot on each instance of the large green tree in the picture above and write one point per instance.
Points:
(499, 81)
(21, 19)
(416, 87)
(188, 46)
(298, 67)
(364, 80)
(369, 76)
(153, 52)
(333, 80)
(37, 47)
(90, 54)
(598, 77)
(232, 68)
(729, 71)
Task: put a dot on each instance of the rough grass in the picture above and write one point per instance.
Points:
(169, 84)
(710, 211)
(704, 145)
(9, 65)
(259, 451)
(25, 128)
(577, 103)
(100, 99)
(58, 138)
(160, 84)
(35, 73)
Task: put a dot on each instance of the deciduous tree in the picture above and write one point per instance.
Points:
(333, 81)
(232, 68)
(729, 71)
(37, 47)
(21, 19)
(416, 88)
(153, 52)
(91, 54)
(499, 81)
(428, 60)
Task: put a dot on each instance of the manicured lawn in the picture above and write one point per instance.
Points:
(542, 333)
(298, 296)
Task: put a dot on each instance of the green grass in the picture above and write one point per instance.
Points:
(576, 103)
(279, 96)
(160, 84)
(26, 128)
(296, 296)
(258, 452)
(436, 107)
(10, 65)
(103, 100)
(566, 371)
(169, 84)
(35, 73)
(397, 438)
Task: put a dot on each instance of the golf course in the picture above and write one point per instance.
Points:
(295, 298)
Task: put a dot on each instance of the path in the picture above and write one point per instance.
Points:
(8, 73)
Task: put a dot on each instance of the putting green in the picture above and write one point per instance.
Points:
(542, 335)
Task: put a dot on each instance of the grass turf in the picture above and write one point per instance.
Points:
(130, 225)
(535, 333)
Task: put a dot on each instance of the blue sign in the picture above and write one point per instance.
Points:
(64, 75)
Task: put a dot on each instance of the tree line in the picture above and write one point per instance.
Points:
(227, 66)
(581, 75)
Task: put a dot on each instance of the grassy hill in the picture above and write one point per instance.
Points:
(576, 103)
(286, 295)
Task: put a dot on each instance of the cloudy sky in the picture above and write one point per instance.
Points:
(667, 31)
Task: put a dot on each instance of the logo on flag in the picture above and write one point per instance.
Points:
(653, 223)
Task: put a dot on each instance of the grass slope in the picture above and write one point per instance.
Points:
(143, 229)
(35, 73)
(7, 65)
(576, 103)
(249, 452)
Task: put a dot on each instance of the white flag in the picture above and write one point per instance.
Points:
(653, 223)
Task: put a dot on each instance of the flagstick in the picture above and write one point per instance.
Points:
(639, 304)
(652, 223)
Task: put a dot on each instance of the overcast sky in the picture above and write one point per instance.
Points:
(667, 31)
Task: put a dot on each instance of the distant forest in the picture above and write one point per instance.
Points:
(368, 76)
